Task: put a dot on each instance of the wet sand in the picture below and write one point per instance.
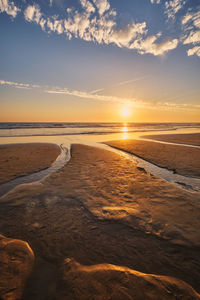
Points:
(189, 138)
(23, 159)
(182, 160)
(101, 208)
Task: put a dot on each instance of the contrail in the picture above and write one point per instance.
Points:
(131, 80)
(119, 83)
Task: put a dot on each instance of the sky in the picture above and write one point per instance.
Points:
(91, 60)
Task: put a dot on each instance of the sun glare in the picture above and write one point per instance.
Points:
(126, 112)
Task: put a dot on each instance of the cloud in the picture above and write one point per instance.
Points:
(128, 101)
(102, 6)
(9, 7)
(33, 14)
(124, 37)
(193, 37)
(54, 25)
(18, 85)
(93, 96)
(88, 6)
(191, 28)
(173, 6)
(195, 50)
(14, 84)
(155, 1)
(192, 18)
(96, 22)
(149, 45)
(96, 97)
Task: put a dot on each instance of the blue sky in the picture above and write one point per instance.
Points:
(85, 60)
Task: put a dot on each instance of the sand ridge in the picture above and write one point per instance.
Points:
(184, 138)
(179, 159)
(23, 159)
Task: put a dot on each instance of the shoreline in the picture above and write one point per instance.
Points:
(180, 159)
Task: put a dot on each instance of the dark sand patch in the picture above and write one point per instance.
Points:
(23, 159)
(182, 160)
(186, 138)
(100, 208)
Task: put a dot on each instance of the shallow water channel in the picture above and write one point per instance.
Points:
(188, 183)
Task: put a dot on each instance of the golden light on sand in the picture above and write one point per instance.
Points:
(125, 112)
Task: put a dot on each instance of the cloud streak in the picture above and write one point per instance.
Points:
(18, 84)
(96, 97)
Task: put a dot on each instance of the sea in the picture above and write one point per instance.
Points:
(83, 128)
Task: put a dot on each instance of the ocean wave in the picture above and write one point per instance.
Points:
(11, 125)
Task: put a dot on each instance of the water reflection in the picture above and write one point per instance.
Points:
(125, 132)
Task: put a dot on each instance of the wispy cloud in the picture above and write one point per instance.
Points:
(97, 22)
(18, 84)
(155, 1)
(119, 84)
(9, 7)
(130, 81)
(128, 101)
(173, 6)
(96, 97)
(191, 27)
(190, 23)
(14, 84)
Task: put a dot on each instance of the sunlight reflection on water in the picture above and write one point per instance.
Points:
(125, 132)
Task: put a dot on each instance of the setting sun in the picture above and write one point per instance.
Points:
(126, 112)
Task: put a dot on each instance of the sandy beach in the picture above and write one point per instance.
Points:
(189, 138)
(101, 208)
(179, 159)
(23, 159)
(100, 150)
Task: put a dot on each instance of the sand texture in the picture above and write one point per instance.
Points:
(16, 263)
(105, 281)
(23, 159)
(182, 160)
(102, 209)
(187, 138)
